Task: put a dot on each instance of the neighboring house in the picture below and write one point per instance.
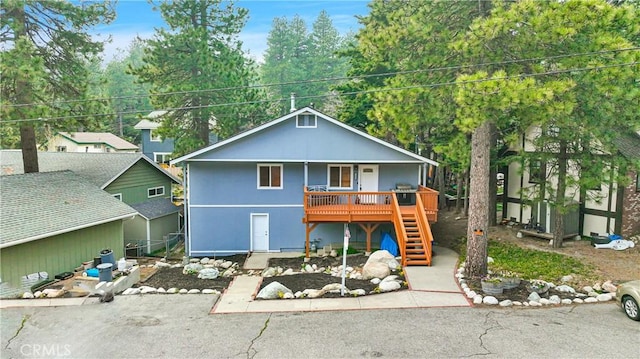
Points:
(269, 188)
(88, 142)
(611, 208)
(52, 222)
(159, 149)
(130, 177)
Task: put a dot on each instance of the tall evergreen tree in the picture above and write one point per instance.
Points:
(44, 66)
(199, 74)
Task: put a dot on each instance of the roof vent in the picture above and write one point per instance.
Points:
(293, 102)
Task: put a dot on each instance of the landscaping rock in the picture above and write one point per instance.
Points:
(147, 290)
(273, 290)
(490, 300)
(161, 291)
(226, 264)
(565, 288)
(288, 272)
(193, 291)
(554, 299)
(578, 300)
(357, 292)
(209, 291)
(183, 291)
(375, 270)
(192, 268)
(208, 273)
(204, 260)
(229, 273)
(288, 295)
(591, 300)
(334, 287)
(566, 301)
(160, 264)
(535, 297)
(471, 294)
(609, 287)
(390, 278)
(477, 299)
(268, 272)
(376, 280)
(506, 303)
(313, 293)
(172, 290)
(389, 286)
(604, 297)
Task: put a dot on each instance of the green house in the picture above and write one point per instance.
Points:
(51, 223)
(130, 177)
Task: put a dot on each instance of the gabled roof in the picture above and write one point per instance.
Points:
(156, 208)
(106, 138)
(40, 205)
(629, 145)
(146, 125)
(292, 115)
(98, 168)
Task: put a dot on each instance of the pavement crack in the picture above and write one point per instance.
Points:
(486, 331)
(250, 351)
(24, 320)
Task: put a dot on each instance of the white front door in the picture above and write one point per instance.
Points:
(368, 182)
(259, 232)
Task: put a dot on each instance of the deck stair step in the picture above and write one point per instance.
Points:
(415, 248)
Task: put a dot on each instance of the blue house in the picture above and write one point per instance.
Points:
(272, 187)
(157, 149)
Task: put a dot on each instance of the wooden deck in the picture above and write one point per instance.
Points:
(370, 209)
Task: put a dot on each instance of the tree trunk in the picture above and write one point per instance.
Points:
(459, 185)
(478, 223)
(559, 206)
(466, 193)
(24, 96)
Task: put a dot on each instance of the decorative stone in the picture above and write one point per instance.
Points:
(375, 269)
(288, 272)
(183, 291)
(313, 293)
(194, 260)
(609, 287)
(148, 290)
(597, 287)
(604, 297)
(471, 294)
(38, 294)
(162, 264)
(288, 295)
(464, 286)
(390, 278)
(27, 295)
(477, 299)
(53, 293)
(209, 291)
(534, 303)
(226, 264)
(268, 272)
(587, 289)
(566, 301)
(565, 288)
(591, 300)
(544, 301)
(506, 303)
(517, 303)
(535, 297)
(172, 290)
(161, 291)
(229, 273)
(208, 273)
(204, 260)
(273, 290)
(192, 268)
(388, 286)
(334, 253)
(357, 292)
(298, 294)
(554, 299)
(193, 291)
(332, 287)
(376, 280)
(578, 300)
(490, 300)
(566, 278)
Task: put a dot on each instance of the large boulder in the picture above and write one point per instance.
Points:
(273, 290)
(375, 270)
(383, 256)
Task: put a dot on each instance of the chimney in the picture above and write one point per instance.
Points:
(293, 102)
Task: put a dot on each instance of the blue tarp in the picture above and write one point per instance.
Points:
(389, 244)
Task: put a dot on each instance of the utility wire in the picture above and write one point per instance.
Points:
(434, 85)
(331, 79)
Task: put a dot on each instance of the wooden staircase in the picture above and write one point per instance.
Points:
(414, 234)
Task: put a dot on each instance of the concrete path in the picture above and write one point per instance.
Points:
(261, 260)
(433, 286)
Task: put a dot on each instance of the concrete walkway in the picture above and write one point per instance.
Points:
(433, 286)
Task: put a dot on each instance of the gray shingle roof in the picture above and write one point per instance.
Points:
(99, 138)
(629, 145)
(156, 208)
(98, 168)
(39, 205)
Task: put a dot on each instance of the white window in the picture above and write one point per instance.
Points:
(154, 137)
(161, 157)
(306, 120)
(97, 146)
(340, 176)
(117, 196)
(155, 191)
(269, 176)
(61, 148)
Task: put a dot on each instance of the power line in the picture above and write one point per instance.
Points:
(331, 79)
(434, 85)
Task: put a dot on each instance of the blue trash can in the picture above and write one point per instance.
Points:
(104, 272)
(106, 256)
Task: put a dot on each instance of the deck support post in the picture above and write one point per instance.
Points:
(309, 229)
(368, 228)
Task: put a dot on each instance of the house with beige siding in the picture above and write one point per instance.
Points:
(88, 142)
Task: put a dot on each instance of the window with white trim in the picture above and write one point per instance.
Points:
(269, 176)
(153, 137)
(117, 196)
(155, 191)
(308, 120)
(61, 148)
(340, 176)
(161, 157)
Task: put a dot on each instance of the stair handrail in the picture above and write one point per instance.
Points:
(401, 232)
(425, 229)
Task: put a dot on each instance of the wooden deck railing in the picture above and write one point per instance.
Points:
(338, 206)
(401, 232)
(425, 228)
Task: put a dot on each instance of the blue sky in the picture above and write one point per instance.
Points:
(136, 18)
